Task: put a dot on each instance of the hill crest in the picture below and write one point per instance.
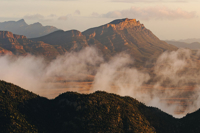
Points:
(24, 111)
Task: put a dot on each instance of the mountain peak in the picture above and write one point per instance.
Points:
(36, 24)
(21, 22)
(125, 23)
(118, 21)
(20, 27)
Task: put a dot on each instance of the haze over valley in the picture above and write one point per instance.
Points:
(127, 72)
(121, 57)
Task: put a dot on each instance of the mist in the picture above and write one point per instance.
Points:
(174, 80)
(36, 75)
(116, 76)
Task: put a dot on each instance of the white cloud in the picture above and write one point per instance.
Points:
(95, 14)
(52, 15)
(39, 17)
(151, 13)
(34, 16)
(64, 18)
(77, 12)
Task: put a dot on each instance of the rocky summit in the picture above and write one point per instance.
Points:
(130, 36)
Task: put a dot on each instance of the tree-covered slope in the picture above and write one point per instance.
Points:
(11, 119)
(23, 111)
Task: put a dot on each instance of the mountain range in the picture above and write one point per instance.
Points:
(19, 45)
(190, 40)
(24, 111)
(192, 45)
(22, 28)
(123, 35)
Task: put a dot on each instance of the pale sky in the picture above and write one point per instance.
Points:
(167, 19)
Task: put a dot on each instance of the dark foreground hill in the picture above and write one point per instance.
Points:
(24, 111)
(22, 28)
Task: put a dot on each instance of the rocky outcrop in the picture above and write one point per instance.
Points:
(6, 34)
(121, 24)
(5, 52)
(19, 45)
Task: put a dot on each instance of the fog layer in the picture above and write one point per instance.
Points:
(171, 85)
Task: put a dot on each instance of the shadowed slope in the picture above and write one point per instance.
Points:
(21, 111)
(72, 40)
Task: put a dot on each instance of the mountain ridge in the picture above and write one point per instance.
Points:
(193, 45)
(125, 35)
(13, 44)
(122, 35)
(20, 27)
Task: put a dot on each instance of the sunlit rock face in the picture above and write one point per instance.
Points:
(130, 36)
(123, 35)
(13, 44)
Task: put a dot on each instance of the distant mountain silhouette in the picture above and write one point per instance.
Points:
(22, 28)
(190, 40)
(193, 45)
(124, 35)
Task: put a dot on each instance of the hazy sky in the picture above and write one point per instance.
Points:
(167, 19)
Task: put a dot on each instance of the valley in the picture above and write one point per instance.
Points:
(121, 57)
(180, 98)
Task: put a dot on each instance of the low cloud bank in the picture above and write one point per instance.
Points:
(173, 81)
(158, 13)
(34, 74)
